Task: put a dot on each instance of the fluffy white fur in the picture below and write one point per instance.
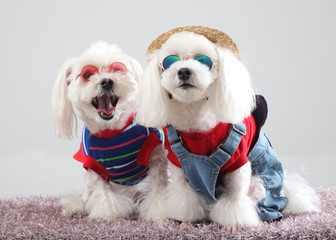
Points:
(235, 207)
(72, 97)
(182, 202)
(302, 198)
(222, 94)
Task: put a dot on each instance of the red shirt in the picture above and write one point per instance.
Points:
(204, 143)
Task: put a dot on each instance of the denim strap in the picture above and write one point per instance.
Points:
(173, 135)
(225, 151)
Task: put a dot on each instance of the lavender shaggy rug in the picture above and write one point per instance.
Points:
(40, 218)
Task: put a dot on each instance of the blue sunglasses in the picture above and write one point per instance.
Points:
(168, 61)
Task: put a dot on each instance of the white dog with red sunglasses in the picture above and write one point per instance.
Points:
(195, 81)
(100, 87)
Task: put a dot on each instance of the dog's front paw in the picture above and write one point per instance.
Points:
(152, 208)
(109, 205)
(72, 205)
(185, 206)
(235, 212)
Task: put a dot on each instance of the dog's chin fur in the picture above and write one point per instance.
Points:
(221, 94)
(72, 98)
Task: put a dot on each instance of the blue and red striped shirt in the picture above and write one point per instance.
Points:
(123, 158)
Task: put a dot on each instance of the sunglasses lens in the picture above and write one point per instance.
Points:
(204, 60)
(87, 71)
(168, 61)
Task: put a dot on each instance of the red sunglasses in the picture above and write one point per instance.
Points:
(89, 70)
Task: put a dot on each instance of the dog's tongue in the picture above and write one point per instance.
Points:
(105, 105)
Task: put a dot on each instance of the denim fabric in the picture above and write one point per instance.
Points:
(267, 165)
(202, 171)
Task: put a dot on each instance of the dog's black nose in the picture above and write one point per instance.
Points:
(184, 74)
(106, 84)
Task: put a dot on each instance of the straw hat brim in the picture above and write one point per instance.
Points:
(214, 35)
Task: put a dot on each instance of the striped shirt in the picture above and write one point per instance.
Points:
(120, 154)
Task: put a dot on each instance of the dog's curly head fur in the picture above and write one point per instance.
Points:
(174, 94)
(100, 87)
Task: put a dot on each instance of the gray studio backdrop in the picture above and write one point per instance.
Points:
(288, 47)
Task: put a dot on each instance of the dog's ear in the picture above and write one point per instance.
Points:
(153, 99)
(233, 98)
(63, 114)
(136, 69)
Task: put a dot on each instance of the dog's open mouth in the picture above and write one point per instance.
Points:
(105, 105)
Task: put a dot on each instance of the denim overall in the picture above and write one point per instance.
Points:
(266, 165)
(202, 171)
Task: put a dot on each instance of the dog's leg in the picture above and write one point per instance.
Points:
(72, 205)
(151, 206)
(235, 208)
(257, 190)
(182, 202)
(103, 200)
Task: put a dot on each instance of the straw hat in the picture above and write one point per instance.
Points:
(212, 34)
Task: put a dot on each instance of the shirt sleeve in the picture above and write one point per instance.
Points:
(153, 140)
(171, 155)
(79, 155)
(92, 164)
